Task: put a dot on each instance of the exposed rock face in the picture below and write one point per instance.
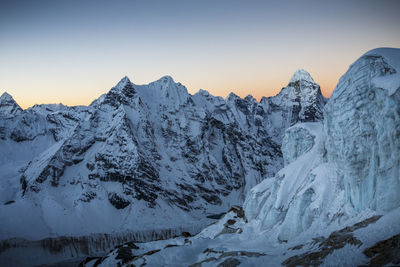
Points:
(325, 246)
(385, 252)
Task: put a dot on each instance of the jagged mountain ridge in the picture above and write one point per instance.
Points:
(142, 149)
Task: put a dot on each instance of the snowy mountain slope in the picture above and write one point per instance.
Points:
(140, 157)
(336, 200)
(26, 134)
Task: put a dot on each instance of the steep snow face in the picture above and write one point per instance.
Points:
(302, 191)
(362, 125)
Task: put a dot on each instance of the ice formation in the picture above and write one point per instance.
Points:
(362, 128)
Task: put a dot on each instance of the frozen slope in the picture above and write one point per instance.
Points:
(301, 192)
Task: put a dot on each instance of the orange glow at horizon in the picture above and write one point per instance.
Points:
(263, 88)
(71, 52)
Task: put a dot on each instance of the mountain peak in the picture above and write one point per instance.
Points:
(250, 98)
(232, 96)
(123, 82)
(6, 96)
(301, 75)
(203, 92)
(8, 106)
(166, 80)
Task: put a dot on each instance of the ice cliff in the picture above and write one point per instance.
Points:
(362, 129)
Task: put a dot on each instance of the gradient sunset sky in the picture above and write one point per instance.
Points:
(73, 51)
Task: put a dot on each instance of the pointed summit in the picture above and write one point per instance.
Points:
(122, 93)
(166, 79)
(301, 75)
(301, 98)
(6, 97)
(123, 82)
(8, 106)
(232, 96)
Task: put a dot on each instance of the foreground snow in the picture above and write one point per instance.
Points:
(246, 245)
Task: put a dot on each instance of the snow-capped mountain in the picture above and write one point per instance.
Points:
(300, 101)
(8, 107)
(141, 158)
(336, 201)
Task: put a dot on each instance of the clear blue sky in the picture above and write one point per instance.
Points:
(73, 51)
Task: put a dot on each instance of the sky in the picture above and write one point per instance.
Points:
(74, 51)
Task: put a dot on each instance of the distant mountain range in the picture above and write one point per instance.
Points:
(143, 156)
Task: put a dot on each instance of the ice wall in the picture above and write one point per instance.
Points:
(362, 128)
